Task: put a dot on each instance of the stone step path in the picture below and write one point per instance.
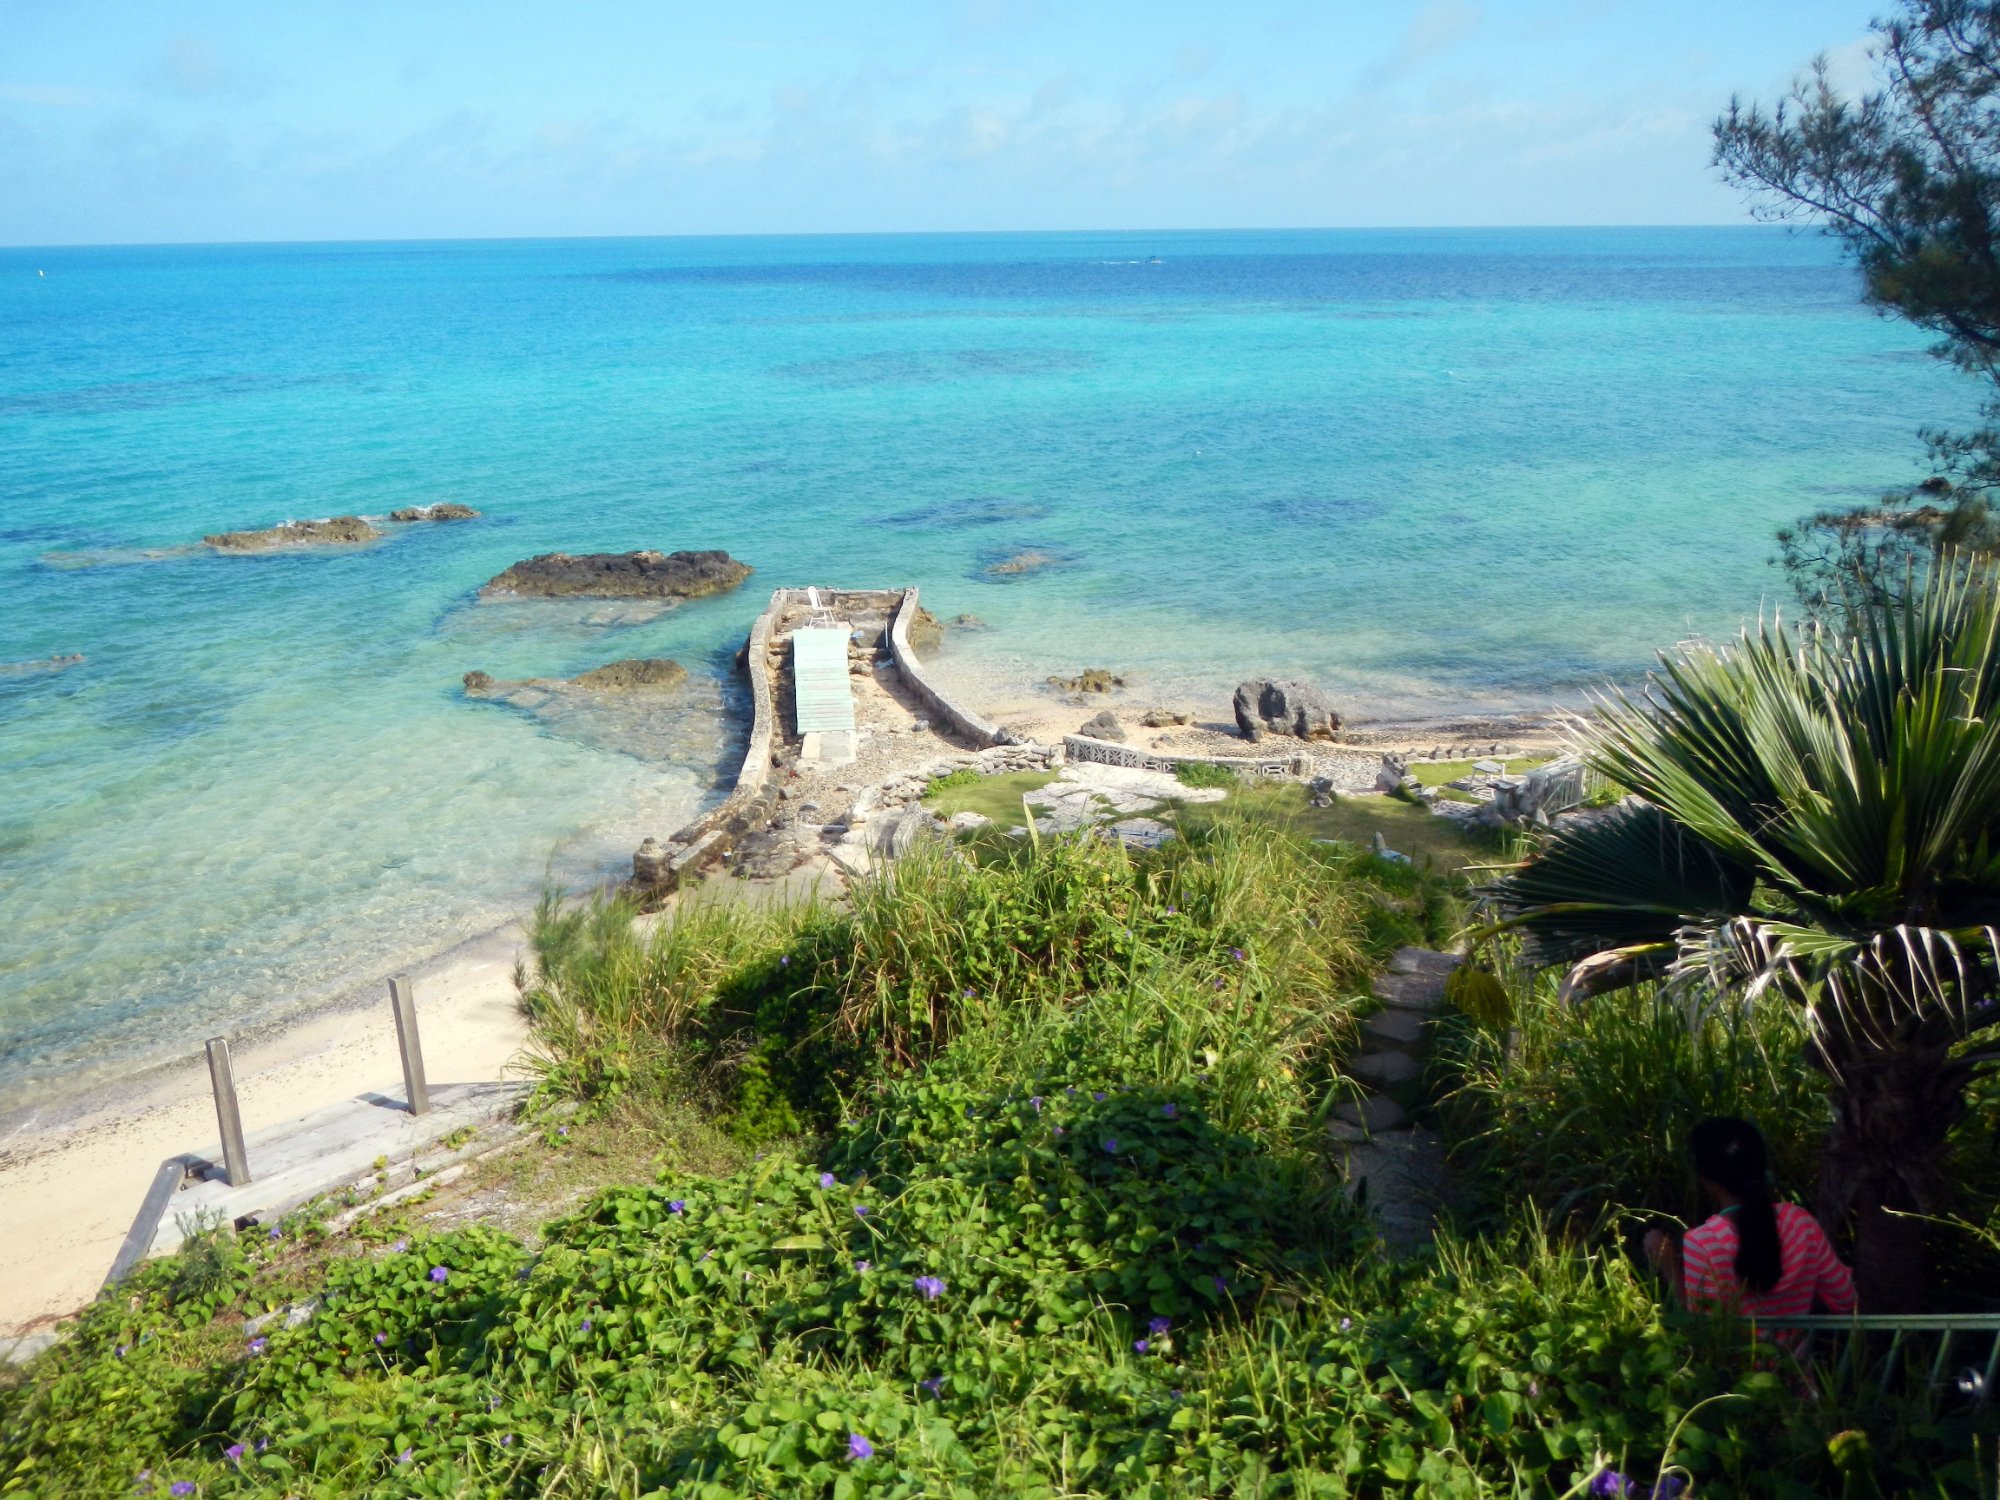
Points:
(1393, 1168)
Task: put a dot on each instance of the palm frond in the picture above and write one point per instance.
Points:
(1626, 877)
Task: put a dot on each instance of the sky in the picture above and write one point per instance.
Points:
(222, 120)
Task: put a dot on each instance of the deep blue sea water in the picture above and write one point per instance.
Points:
(1433, 470)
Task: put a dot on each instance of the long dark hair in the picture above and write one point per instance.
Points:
(1730, 1153)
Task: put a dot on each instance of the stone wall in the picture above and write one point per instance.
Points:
(1078, 747)
(963, 721)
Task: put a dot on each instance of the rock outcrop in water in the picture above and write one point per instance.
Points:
(1089, 680)
(652, 674)
(926, 634)
(444, 510)
(338, 531)
(1295, 708)
(621, 575)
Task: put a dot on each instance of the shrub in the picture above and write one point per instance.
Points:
(1201, 773)
(951, 780)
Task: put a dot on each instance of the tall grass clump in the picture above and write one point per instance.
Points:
(1581, 1109)
(789, 1015)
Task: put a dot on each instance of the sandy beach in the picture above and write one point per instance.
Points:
(71, 1179)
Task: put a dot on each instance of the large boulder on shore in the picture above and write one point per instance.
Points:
(1104, 726)
(621, 575)
(337, 531)
(1294, 708)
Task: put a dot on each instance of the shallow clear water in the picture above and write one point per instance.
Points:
(1433, 470)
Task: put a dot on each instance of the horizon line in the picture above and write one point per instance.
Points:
(858, 234)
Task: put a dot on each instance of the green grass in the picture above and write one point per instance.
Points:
(1042, 1204)
(995, 797)
(1439, 773)
(1409, 830)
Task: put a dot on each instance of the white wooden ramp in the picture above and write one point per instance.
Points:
(823, 698)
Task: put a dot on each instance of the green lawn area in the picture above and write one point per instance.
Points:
(997, 797)
(1409, 830)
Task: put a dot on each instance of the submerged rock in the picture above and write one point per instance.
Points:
(652, 674)
(966, 622)
(1165, 718)
(621, 575)
(47, 664)
(1089, 680)
(1295, 708)
(649, 674)
(338, 531)
(1022, 562)
(444, 510)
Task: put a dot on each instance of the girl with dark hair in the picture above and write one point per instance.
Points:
(1763, 1258)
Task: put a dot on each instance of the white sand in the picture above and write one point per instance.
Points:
(69, 1187)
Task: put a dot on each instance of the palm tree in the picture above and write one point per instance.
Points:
(1814, 820)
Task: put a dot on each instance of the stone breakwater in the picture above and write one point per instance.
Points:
(766, 823)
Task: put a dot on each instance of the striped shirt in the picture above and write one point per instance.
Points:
(1812, 1272)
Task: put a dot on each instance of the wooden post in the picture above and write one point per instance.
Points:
(402, 997)
(235, 1160)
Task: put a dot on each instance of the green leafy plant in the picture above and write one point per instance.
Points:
(1202, 773)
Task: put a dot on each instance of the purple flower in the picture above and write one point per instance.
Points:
(969, 994)
(1345, 1324)
(931, 1286)
(1036, 1104)
(1140, 1346)
(1668, 1487)
(858, 1447)
(861, 1210)
(1059, 1130)
(862, 1266)
(586, 1325)
(1218, 984)
(677, 1205)
(1171, 1110)
(827, 1179)
(123, 1350)
(935, 1385)
(785, 961)
(262, 1444)
(440, 1274)
(1070, 1090)
(563, 1131)
(1170, 911)
(1159, 1326)
(406, 1455)
(399, 1247)
(493, 1402)
(275, 1234)
(258, 1344)
(1098, 1095)
(181, 1487)
(381, 1338)
(1111, 1146)
(234, 1453)
(1610, 1485)
(507, 1441)
(1534, 1390)
(1221, 1286)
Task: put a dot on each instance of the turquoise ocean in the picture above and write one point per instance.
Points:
(1434, 471)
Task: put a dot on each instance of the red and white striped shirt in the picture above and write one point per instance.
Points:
(1812, 1272)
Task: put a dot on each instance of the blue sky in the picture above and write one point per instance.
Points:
(360, 119)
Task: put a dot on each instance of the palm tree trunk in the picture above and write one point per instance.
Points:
(1895, 1100)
